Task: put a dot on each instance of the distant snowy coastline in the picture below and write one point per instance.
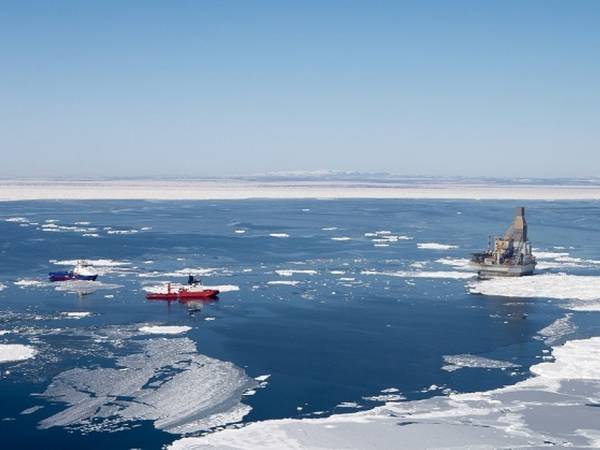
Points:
(300, 187)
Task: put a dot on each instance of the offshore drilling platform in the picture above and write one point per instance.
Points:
(510, 256)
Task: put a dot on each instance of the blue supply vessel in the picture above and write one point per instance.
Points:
(82, 271)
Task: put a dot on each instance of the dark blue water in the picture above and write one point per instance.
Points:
(324, 340)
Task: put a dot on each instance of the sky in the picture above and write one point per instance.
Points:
(227, 88)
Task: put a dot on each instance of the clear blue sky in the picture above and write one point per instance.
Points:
(193, 88)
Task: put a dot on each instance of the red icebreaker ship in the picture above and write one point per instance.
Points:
(182, 294)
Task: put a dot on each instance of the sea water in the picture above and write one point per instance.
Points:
(327, 306)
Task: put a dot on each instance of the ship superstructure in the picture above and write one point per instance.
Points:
(508, 256)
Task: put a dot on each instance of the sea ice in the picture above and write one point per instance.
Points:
(166, 382)
(163, 329)
(421, 274)
(94, 262)
(84, 286)
(558, 329)
(77, 314)
(283, 282)
(102, 266)
(16, 352)
(581, 292)
(456, 362)
(457, 263)
(122, 231)
(385, 398)
(291, 272)
(435, 246)
(554, 408)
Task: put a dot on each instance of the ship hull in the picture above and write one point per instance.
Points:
(184, 295)
(497, 270)
(66, 276)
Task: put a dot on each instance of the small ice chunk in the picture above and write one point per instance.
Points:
(435, 246)
(290, 272)
(16, 352)
(77, 314)
(160, 329)
(283, 282)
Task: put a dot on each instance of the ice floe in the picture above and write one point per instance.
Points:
(457, 263)
(421, 274)
(31, 410)
(103, 266)
(283, 283)
(30, 283)
(2, 286)
(558, 329)
(166, 382)
(384, 238)
(164, 329)
(435, 246)
(122, 231)
(561, 260)
(348, 405)
(279, 235)
(195, 271)
(84, 286)
(94, 262)
(582, 293)
(456, 362)
(556, 407)
(291, 272)
(341, 238)
(16, 352)
(17, 219)
(77, 314)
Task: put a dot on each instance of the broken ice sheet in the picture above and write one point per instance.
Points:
(166, 382)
